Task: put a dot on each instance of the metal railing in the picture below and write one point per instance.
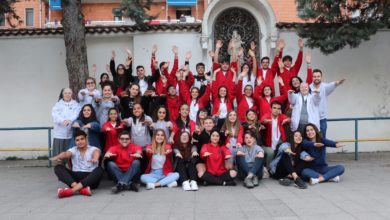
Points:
(31, 149)
(356, 140)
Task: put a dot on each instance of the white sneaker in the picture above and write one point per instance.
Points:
(186, 185)
(314, 181)
(265, 173)
(150, 186)
(173, 184)
(335, 179)
(194, 185)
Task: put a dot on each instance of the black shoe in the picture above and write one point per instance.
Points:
(230, 183)
(205, 183)
(133, 187)
(300, 183)
(116, 189)
(285, 182)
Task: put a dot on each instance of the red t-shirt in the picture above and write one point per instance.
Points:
(215, 163)
(123, 159)
(111, 135)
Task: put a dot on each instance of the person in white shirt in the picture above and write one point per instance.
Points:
(64, 112)
(90, 93)
(85, 172)
(325, 90)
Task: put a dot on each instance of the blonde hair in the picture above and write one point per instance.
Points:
(154, 142)
(227, 125)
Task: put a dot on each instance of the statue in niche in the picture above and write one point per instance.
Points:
(236, 43)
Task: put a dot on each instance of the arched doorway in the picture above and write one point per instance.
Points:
(239, 20)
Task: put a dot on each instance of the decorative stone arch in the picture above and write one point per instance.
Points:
(260, 9)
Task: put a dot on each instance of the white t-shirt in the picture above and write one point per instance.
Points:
(245, 82)
(275, 133)
(143, 85)
(223, 110)
(249, 100)
(81, 164)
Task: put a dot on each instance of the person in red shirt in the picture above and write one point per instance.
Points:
(159, 171)
(274, 124)
(214, 156)
(173, 103)
(123, 164)
(112, 128)
(266, 95)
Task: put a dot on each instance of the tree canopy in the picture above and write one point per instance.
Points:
(334, 24)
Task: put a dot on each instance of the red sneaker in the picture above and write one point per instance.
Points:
(86, 191)
(62, 193)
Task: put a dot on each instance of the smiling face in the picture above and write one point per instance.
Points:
(251, 116)
(90, 84)
(297, 137)
(67, 94)
(208, 124)
(160, 137)
(317, 78)
(113, 115)
(214, 138)
(200, 69)
(172, 91)
(311, 132)
(121, 69)
(184, 111)
(222, 92)
(202, 115)
(140, 72)
(245, 67)
(265, 63)
(124, 140)
(248, 91)
(137, 110)
(184, 138)
(295, 82)
(87, 111)
(134, 90)
(194, 93)
(161, 114)
(107, 91)
(304, 88)
(232, 117)
(81, 141)
(249, 140)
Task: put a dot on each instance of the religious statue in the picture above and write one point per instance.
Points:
(236, 43)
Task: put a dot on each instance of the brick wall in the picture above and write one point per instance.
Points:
(20, 9)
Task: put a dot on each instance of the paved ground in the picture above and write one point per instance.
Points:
(363, 193)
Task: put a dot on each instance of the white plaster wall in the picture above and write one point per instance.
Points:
(33, 71)
(366, 92)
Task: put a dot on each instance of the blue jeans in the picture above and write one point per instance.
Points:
(121, 176)
(158, 176)
(243, 168)
(323, 127)
(328, 172)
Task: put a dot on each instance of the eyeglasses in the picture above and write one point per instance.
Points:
(124, 139)
(90, 83)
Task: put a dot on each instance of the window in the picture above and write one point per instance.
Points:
(2, 19)
(183, 12)
(117, 14)
(29, 17)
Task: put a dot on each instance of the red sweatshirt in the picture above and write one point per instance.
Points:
(123, 159)
(185, 95)
(161, 88)
(242, 103)
(173, 105)
(268, 127)
(216, 101)
(293, 71)
(167, 167)
(264, 105)
(215, 163)
(112, 135)
(240, 136)
(271, 73)
(224, 79)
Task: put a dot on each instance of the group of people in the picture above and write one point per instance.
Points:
(175, 128)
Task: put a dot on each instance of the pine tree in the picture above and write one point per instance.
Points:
(333, 24)
(137, 10)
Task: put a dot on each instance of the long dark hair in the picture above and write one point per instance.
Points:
(85, 120)
(142, 118)
(118, 119)
(155, 115)
(291, 84)
(318, 134)
(180, 123)
(249, 71)
(122, 77)
(296, 149)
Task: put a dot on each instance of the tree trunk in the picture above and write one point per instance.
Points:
(76, 48)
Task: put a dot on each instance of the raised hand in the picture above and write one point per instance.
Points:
(154, 49)
(281, 44)
(280, 64)
(188, 55)
(300, 43)
(94, 68)
(219, 44)
(175, 50)
(113, 54)
(280, 80)
(108, 68)
(251, 53)
(211, 53)
(129, 54)
(128, 61)
(308, 58)
(253, 46)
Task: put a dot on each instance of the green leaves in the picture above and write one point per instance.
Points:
(334, 24)
(137, 11)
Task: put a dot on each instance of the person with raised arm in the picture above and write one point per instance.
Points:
(122, 74)
(224, 71)
(315, 145)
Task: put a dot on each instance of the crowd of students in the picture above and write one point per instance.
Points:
(175, 128)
